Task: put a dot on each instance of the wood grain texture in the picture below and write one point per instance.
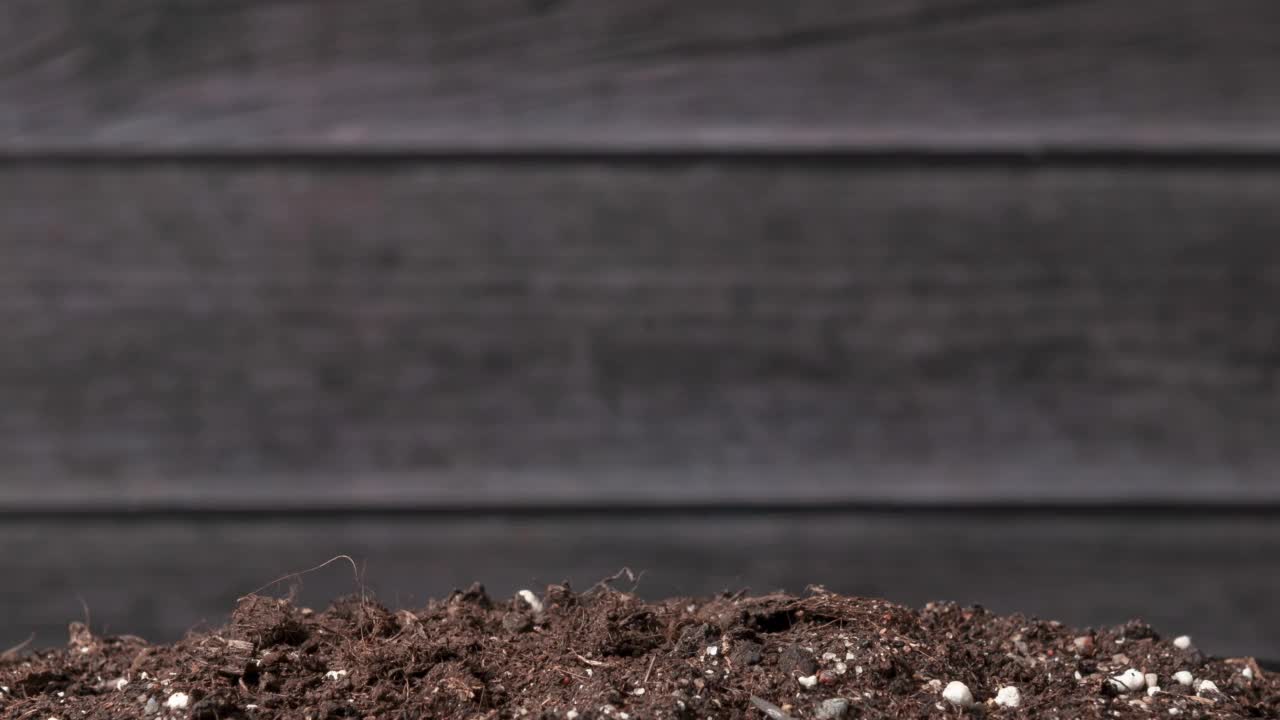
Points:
(488, 335)
(504, 74)
(1214, 578)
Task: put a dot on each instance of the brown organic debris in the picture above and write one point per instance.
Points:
(607, 655)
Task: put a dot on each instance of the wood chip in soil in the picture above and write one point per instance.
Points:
(608, 654)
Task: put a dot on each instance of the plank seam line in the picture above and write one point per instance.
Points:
(838, 157)
(1189, 511)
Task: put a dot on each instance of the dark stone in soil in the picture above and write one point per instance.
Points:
(746, 652)
(797, 661)
(695, 639)
(604, 653)
(517, 622)
(219, 706)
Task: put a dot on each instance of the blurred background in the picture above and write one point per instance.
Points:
(932, 299)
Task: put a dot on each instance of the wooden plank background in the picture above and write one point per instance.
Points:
(593, 333)
(519, 290)
(511, 74)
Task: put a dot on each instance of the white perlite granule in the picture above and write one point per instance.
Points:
(1009, 697)
(1130, 680)
(1206, 686)
(531, 600)
(958, 694)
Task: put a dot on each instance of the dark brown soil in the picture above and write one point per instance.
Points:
(606, 654)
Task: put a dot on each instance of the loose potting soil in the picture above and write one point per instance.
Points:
(607, 654)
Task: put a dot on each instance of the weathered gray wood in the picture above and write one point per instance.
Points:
(502, 74)
(485, 335)
(1214, 579)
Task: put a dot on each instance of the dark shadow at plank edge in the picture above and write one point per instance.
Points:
(1212, 579)
(669, 156)
(194, 512)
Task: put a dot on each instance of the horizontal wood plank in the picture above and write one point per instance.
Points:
(504, 74)
(227, 336)
(1213, 579)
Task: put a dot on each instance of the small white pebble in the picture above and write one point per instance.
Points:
(120, 684)
(850, 656)
(531, 600)
(808, 681)
(335, 674)
(1009, 697)
(61, 694)
(1153, 680)
(1078, 675)
(1247, 672)
(1130, 680)
(1184, 678)
(857, 669)
(1153, 691)
(841, 668)
(573, 714)
(712, 650)
(957, 693)
(1182, 642)
(177, 701)
(1174, 711)
(638, 691)
(829, 656)
(1206, 686)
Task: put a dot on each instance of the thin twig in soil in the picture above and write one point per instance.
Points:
(13, 651)
(769, 708)
(566, 672)
(632, 577)
(646, 672)
(355, 570)
(87, 616)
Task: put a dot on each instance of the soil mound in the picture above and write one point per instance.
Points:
(607, 654)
